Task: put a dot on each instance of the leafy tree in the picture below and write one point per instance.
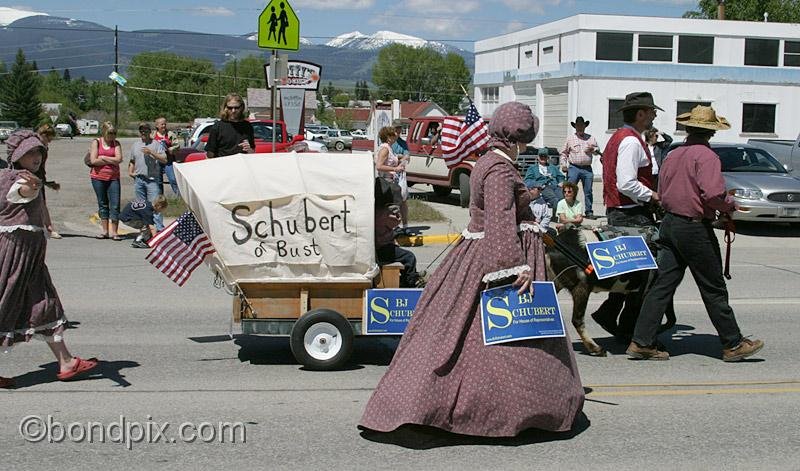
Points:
(249, 73)
(407, 73)
(176, 87)
(19, 94)
(361, 91)
(780, 11)
(345, 119)
(340, 100)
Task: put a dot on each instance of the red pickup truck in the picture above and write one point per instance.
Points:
(430, 168)
(262, 129)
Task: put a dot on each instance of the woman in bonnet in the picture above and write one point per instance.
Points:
(29, 303)
(442, 374)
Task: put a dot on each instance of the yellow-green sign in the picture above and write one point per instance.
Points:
(279, 27)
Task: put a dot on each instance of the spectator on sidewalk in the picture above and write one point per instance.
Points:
(569, 210)
(576, 160)
(170, 146)
(105, 156)
(542, 211)
(144, 167)
(232, 134)
(547, 177)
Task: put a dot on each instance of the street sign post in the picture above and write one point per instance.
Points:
(279, 27)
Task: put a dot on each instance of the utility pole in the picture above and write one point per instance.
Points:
(219, 88)
(116, 69)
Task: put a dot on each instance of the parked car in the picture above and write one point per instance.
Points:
(358, 134)
(786, 151)
(316, 132)
(762, 187)
(64, 130)
(338, 139)
(6, 128)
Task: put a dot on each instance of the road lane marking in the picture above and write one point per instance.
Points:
(684, 385)
(689, 392)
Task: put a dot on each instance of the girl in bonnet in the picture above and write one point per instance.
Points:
(442, 374)
(29, 303)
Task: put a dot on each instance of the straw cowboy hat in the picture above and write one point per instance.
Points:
(580, 120)
(703, 117)
(638, 100)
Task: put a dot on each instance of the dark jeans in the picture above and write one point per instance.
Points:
(552, 194)
(391, 253)
(107, 193)
(612, 307)
(686, 243)
(585, 176)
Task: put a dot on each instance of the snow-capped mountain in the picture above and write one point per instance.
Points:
(10, 15)
(254, 37)
(358, 40)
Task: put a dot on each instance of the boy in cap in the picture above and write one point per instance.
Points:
(140, 214)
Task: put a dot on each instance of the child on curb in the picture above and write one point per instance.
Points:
(29, 303)
(140, 214)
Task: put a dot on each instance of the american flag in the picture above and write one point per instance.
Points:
(461, 139)
(180, 248)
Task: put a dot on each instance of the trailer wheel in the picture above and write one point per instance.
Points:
(322, 339)
(463, 189)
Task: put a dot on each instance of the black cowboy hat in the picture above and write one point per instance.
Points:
(638, 100)
(580, 120)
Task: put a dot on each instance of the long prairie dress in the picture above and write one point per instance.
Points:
(29, 303)
(442, 375)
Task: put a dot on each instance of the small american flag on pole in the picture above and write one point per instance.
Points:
(459, 139)
(180, 248)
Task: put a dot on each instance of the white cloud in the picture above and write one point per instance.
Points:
(513, 26)
(529, 6)
(670, 2)
(212, 11)
(334, 4)
(439, 6)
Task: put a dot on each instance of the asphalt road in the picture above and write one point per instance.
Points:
(167, 358)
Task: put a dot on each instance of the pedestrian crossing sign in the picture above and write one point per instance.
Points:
(279, 27)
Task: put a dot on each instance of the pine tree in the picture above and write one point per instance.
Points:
(66, 77)
(19, 94)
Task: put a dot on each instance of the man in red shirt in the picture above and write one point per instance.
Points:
(692, 190)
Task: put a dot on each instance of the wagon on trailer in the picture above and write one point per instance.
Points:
(294, 240)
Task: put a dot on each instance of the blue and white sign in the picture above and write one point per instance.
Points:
(621, 255)
(508, 316)
(388, 311)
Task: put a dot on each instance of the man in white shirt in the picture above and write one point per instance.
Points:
(628, 183)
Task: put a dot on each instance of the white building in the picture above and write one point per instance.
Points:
(584, 65)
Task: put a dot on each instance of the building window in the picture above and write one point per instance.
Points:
(615, 118)
(696, 49)
(655, 48)
(547, 50)
(758, 118)
(791, 54)
(491, 94)
(687, 106)
(528, 54)
(614, 47)
(761, 52)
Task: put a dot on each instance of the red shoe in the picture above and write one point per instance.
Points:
(6, 383)
(81, 366)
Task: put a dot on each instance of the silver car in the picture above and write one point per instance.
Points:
(338, 139)
(762, 187)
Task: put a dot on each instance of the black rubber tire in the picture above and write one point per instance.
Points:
(339, 146)
(441, 190)
(306, 321)
(463, 189)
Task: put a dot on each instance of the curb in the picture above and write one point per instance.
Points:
(416, 241)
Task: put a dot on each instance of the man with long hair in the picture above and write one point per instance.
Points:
(232, 134)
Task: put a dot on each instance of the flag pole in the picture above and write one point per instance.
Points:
(465, 91)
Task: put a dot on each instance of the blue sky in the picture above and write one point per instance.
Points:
(323, 19)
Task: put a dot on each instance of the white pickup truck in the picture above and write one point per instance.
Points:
(6, 128)
(786, 151)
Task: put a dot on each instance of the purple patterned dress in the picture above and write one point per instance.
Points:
(29, 304)
(442, 375)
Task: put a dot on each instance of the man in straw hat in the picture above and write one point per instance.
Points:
(692, 190)
(628, 190)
